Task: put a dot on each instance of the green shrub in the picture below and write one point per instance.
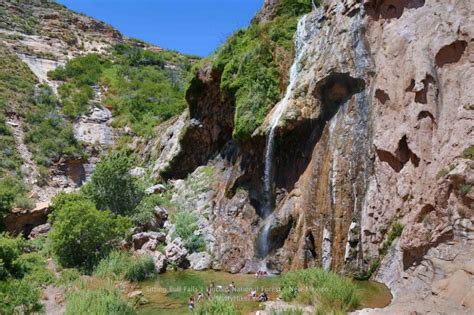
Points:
(68, 277)
(464, 189)
(32, 268)
(82, 235)
(141, 269)
(11, 190)
(396, 230)
(145, 210)
(185, 227)
(19, 294)
(468, 153)
(365, 275)
(17, 82)
(112, 187)
(215, 306)
(10, 250)
(114, 266)
(48, 134)
(63, 199)
(319, 287)
(101, 301)
(10, 160)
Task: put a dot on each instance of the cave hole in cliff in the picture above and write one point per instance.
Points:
(390, 9)
(382, 96)
(309, 248)
(424, 114)
(402, 155)
(451, 53)
(422, 95)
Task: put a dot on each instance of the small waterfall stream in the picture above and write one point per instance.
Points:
(267, 209)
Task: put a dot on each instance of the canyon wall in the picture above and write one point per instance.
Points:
(376, 136)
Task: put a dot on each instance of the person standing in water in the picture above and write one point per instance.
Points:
(191, 303)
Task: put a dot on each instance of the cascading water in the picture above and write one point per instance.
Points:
(267, 209)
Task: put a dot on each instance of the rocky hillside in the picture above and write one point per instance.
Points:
(62, 80)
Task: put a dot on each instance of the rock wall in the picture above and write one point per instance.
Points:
(373, 136)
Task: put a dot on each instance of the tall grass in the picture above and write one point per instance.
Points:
(121, 266)
(215, 306)
(315, 286)
(100, 301)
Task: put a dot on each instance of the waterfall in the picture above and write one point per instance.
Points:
(267, 209)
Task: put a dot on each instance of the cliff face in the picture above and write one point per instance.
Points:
(376, 135)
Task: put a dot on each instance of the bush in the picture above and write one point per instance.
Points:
(48, 134)
(112, 187)
(215, 306)
(145, 211)
(100, 301)
(120, 265)
(468, 153)
(185, 227)
(318, 287)
(396, 230)
(12, 193)
(19, 294)
(82, 235)
(68, 277)
(10, 250)
(141, 269)
(63, 199)
(32, 268)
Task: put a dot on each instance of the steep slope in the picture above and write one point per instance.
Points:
(63, 77)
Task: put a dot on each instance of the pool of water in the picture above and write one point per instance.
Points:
(169, 292)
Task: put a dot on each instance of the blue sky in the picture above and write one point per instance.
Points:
(190, 26)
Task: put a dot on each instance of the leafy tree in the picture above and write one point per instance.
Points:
(112, 187)
(82, 235)
(61, 200)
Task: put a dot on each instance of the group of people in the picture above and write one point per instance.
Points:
(262, 297)
(210, 289)
(261, 274)
(200, 296)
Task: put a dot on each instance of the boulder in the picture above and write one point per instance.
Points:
(40, 230)
(137, 171)
(200, 261)
(135, 294)
(155, 189)
(161, 215)
(176, 253)
(22, 221)
(140, 239)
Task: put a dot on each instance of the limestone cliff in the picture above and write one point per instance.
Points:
(376, 135)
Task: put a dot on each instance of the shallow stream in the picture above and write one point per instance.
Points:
(169, 292)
